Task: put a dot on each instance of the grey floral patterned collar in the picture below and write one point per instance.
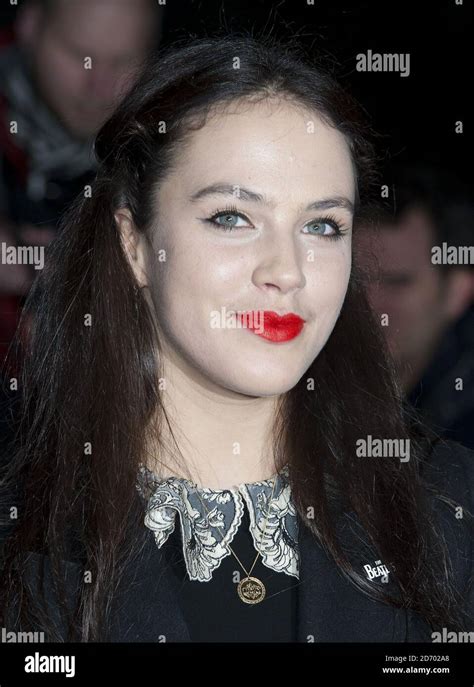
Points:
(206, 536)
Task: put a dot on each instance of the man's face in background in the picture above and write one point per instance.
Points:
(421, 300)
(115, 34)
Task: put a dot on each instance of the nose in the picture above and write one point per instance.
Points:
(281, 265)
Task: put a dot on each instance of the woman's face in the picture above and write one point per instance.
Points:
(261, 254)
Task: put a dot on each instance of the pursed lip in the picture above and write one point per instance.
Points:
(276, 328)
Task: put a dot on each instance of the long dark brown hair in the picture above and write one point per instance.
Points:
(88, 393)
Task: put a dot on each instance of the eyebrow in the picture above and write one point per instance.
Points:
(246, 194)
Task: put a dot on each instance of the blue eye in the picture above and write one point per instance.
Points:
(226, 214)
(328, 227)
(226, 226)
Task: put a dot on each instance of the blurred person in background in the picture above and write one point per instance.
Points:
(64, 65)
(426, 308)
(58, 100)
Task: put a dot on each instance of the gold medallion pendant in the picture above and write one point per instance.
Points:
(251, 590)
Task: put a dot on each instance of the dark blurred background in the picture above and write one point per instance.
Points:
(415, 113)
(424, 162)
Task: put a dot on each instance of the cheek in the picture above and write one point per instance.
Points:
(200, 272)
(327, 282)
(186, 285)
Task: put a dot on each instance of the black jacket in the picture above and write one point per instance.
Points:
(330, 607)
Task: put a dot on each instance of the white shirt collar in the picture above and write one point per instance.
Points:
(166, 497)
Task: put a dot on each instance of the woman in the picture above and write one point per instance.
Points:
(204, 382)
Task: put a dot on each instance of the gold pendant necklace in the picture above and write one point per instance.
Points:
(250, 589)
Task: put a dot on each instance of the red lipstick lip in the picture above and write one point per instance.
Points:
(276, 328)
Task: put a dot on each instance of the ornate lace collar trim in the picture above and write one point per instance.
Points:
(206, 536)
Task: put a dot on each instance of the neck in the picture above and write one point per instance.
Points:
(221, 438)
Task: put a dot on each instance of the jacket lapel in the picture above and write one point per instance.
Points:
(331, 609)
(146, 606)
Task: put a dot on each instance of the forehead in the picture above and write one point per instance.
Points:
(277, 145)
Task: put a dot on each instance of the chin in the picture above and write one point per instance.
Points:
(263, 384)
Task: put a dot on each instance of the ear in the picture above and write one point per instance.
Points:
(460, 293)
(133, 244)
(27, 23)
